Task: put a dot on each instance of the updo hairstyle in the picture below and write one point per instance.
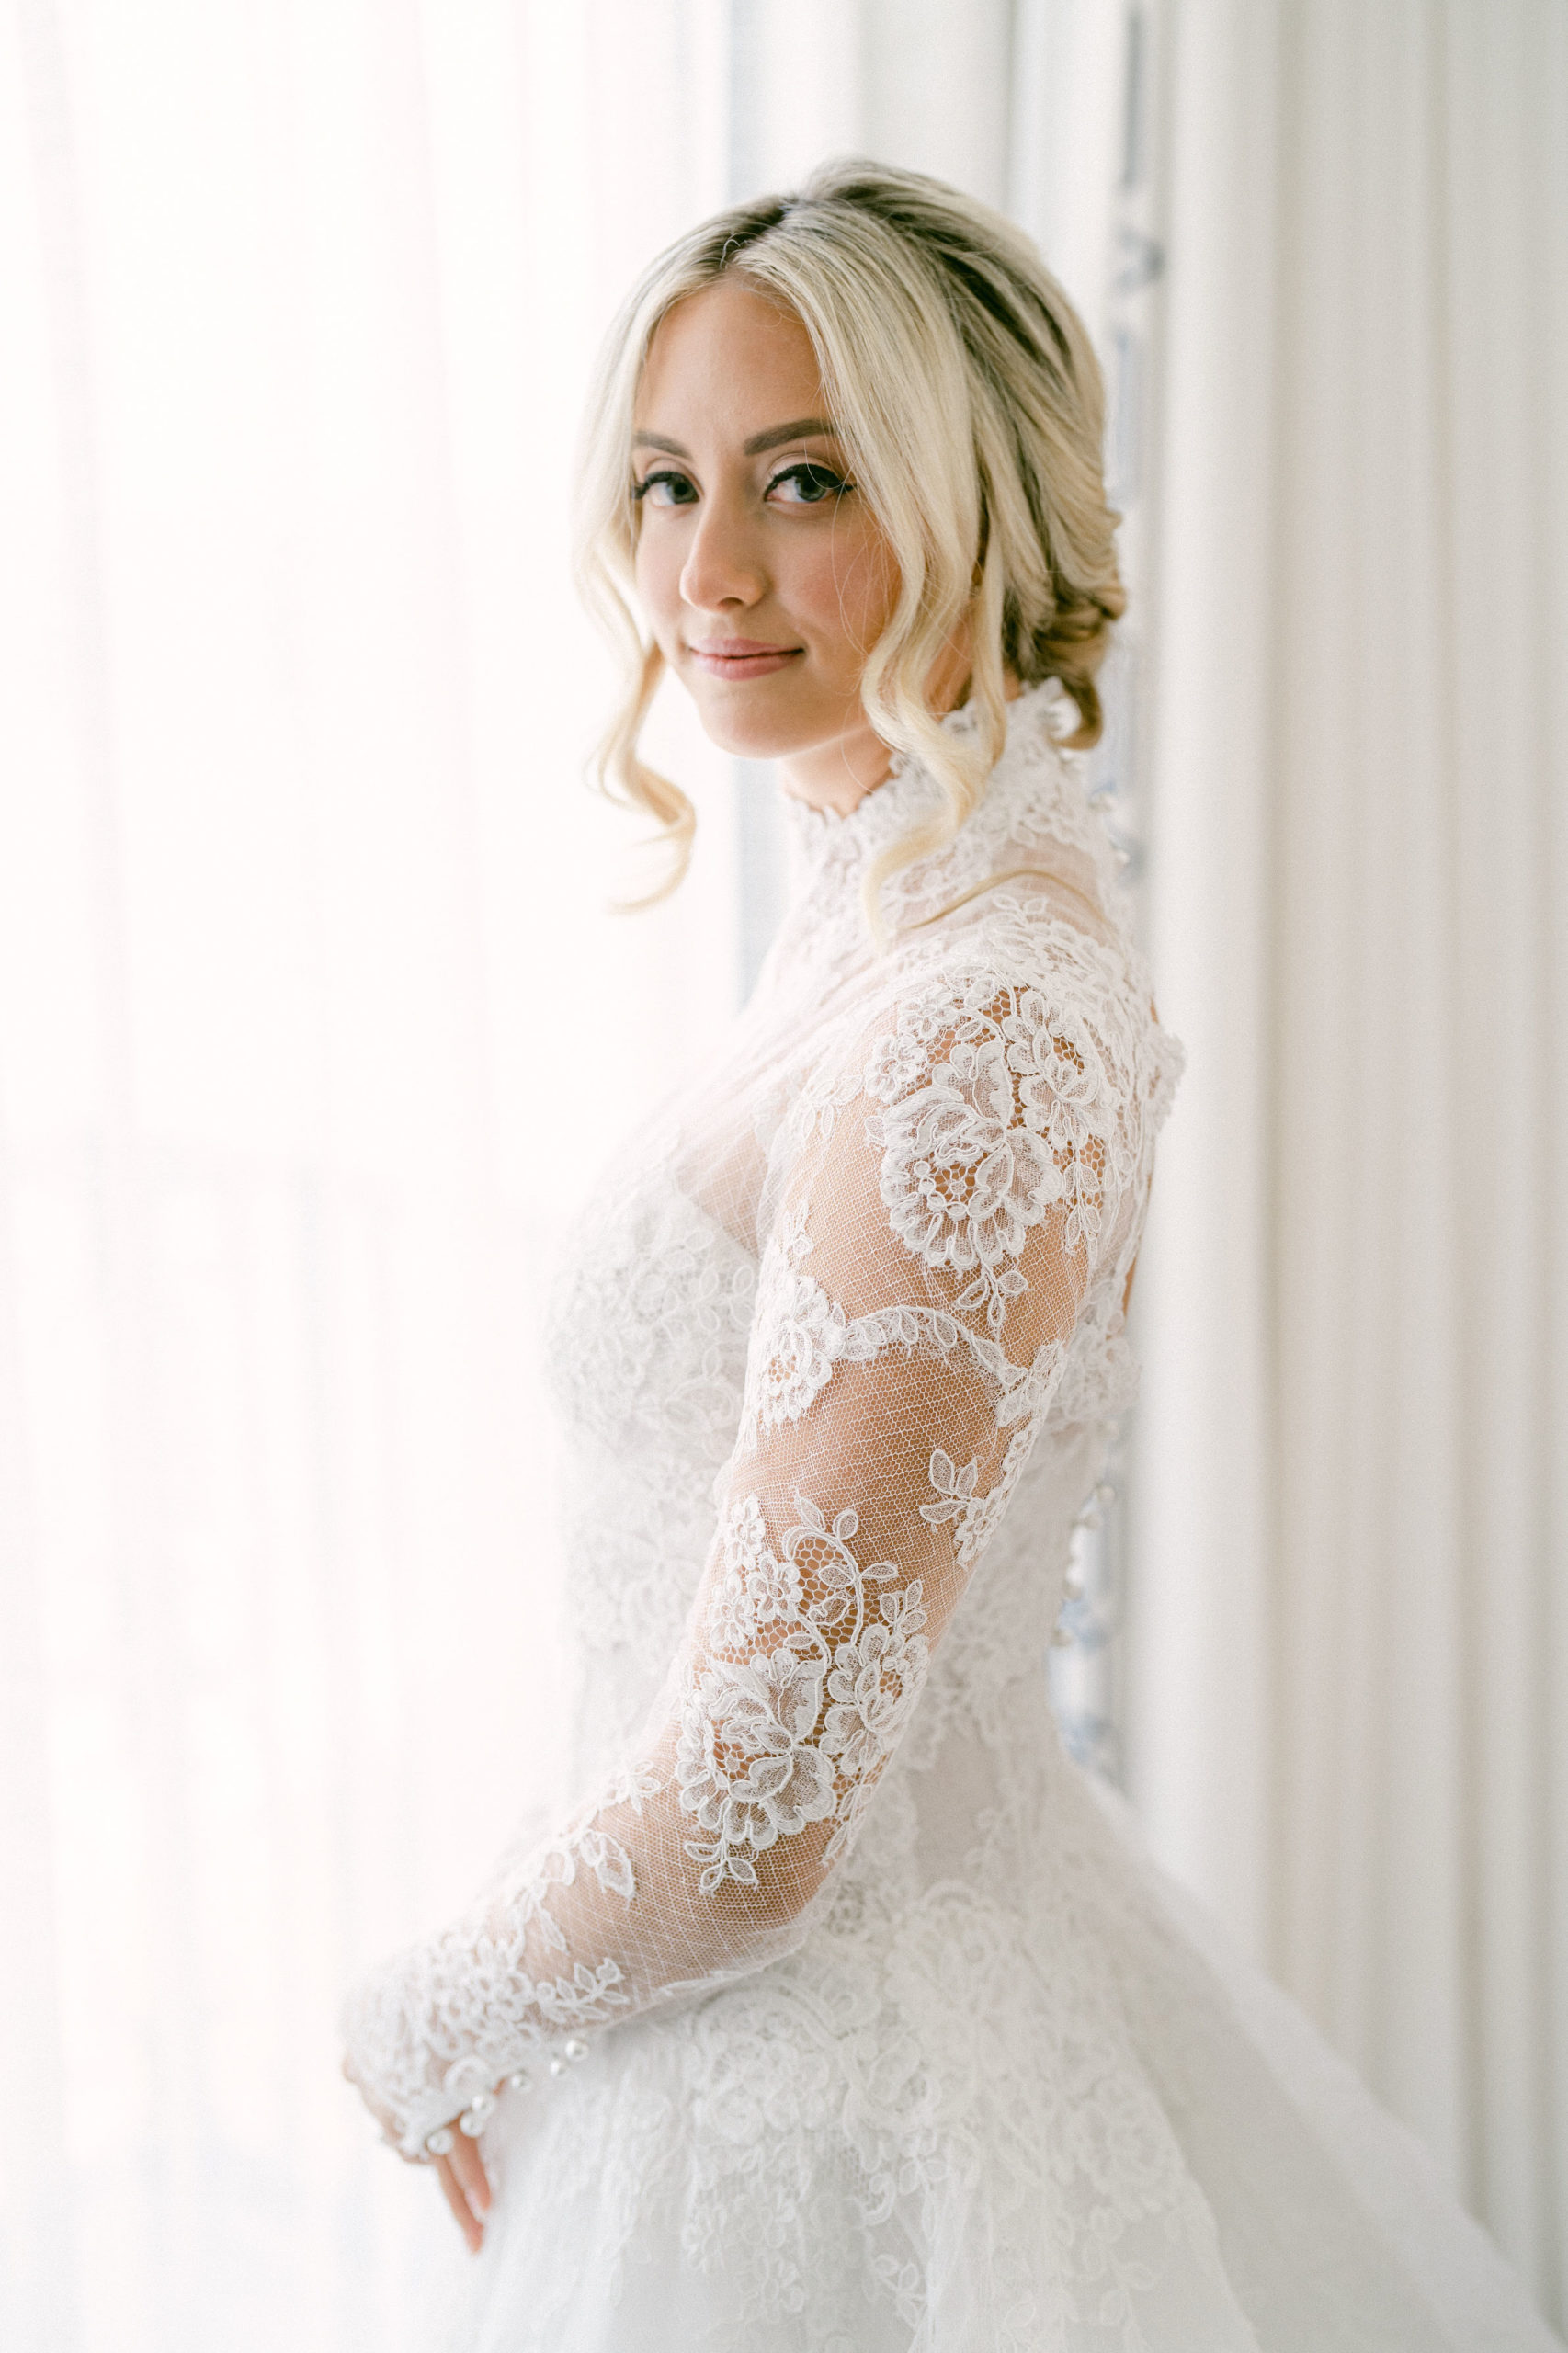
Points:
(970, 407)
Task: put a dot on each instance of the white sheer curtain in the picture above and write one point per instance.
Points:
(1350, 1609)
(302, 918)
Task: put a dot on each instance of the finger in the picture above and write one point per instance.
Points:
(463, 2214)
(469, 2167)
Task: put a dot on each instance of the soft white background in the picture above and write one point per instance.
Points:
(314, 1021)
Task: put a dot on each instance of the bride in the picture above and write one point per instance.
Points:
(843, 2011)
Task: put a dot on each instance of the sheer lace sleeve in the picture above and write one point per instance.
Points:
(945, 1199)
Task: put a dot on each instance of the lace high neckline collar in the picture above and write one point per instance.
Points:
(909, 793)
(1034, 812)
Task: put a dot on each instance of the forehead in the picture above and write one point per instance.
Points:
(729, 362)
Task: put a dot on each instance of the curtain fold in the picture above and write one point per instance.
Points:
(1351, 1579)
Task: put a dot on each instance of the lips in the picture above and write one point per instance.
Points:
(742, 657)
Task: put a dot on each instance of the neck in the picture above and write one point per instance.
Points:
(838, 774)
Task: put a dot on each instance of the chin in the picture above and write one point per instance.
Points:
(752, 729)
(747, 743)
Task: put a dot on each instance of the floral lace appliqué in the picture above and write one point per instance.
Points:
(982, 1141)
(806, 1689)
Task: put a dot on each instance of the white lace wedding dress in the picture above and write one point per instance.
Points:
(844, 2014)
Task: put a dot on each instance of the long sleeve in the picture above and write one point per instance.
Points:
(946, 1190)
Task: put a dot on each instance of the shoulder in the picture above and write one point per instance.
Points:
(1015, 1000)
(1044, 990)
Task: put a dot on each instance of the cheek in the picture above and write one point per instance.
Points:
(853, 588)
(655, 569)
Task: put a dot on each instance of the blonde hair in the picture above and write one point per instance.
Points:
(970, 405)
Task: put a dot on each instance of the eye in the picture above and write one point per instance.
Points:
(810, 486)
(667, 488)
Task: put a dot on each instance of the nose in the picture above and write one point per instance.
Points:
(723, 569)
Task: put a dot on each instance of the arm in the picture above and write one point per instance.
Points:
(928, 1252)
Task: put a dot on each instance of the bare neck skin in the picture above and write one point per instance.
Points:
(838, 777)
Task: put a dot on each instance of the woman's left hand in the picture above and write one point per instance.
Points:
(465, 2185)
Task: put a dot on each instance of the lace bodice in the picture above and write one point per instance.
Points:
(833, 1349)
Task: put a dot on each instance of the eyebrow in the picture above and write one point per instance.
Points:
(799, 429)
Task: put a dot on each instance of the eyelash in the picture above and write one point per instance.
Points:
(836, 484)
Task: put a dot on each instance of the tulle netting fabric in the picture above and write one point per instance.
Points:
(840, 2012)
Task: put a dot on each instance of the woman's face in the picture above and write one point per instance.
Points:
(764, 575)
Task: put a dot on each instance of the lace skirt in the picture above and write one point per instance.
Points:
(973, 2127)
